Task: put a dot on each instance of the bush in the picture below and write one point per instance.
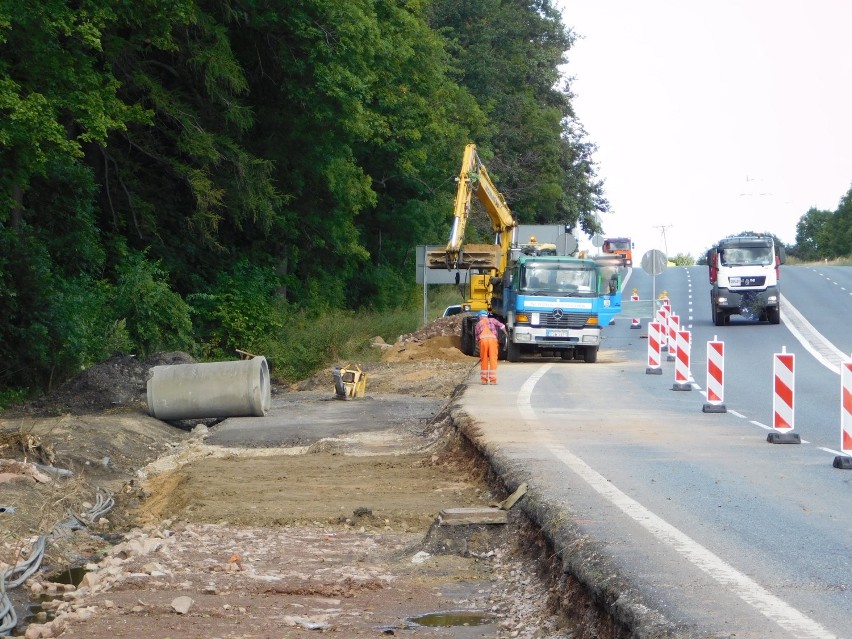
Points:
(241, 311)
(155, 317)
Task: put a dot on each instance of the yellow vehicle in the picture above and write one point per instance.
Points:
(551, 304)
(534, 247)
(484, 262)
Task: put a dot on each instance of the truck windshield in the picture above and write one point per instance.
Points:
(745, 255)
(558, 279)
(619, 245)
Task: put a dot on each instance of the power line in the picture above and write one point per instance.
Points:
(663, 228)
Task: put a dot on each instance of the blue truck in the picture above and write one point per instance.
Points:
(552, 305)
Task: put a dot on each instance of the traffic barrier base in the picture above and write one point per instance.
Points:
(783, 438)
(844, 462)
(653, 370)
(714, 408)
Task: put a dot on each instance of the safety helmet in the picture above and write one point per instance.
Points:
(532, 239)
(483, 313)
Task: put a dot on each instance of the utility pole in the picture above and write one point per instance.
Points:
(663, 228)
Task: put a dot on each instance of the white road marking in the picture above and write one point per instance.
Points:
(525, 392)
(764, 426)
(814, 342)
(748, 590)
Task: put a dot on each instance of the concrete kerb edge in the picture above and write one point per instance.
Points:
(582, 559)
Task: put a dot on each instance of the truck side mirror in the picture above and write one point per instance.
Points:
(613, 284)
(782, 256)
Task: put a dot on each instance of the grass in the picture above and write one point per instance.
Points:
(311, 342)
(838, 261)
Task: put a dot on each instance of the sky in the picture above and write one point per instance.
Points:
(713, 117)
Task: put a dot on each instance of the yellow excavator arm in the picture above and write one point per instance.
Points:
(474, 179)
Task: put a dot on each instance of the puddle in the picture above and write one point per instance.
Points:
(453, 618)
(71, 575)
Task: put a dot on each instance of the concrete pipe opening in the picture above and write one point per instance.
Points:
(216, 389)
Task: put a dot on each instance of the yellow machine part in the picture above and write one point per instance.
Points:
(471, 256)
(350, 381)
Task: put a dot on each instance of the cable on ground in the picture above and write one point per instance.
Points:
(16, 575)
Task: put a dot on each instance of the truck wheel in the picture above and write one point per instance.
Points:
(513, 351)
(773, 314)
(591, 354)
(468, 343)
(567, 353)
(720, 317)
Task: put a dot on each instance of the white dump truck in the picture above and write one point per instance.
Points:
(744, 274)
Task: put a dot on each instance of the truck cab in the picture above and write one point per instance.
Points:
(557, 305)
(744, 278)
(621, 246)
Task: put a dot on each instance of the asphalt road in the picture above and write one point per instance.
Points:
(300, 419)
(684, 521)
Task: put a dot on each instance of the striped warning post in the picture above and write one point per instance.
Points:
(674, 327)
(682, 375)
(715, 377)
(663, 320)
(783, 409)
(784, 391)
(846, 407)
(635, 323)
(655, 329)
(845, 461)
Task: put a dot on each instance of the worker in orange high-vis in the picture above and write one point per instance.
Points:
(487, 331)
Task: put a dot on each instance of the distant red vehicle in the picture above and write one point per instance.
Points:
(622, 246)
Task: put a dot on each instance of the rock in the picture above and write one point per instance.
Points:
(181, 605)
(91, 579)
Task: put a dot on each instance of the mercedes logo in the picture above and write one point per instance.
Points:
(557, 313)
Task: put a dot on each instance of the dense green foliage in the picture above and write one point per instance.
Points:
(209, 175)
(825, 235)
(682, 259)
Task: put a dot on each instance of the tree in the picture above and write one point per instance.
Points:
(508, 54)
(810, 230)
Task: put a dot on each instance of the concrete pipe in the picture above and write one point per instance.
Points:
(217, 389)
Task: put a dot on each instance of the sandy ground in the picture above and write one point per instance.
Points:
(340, 536)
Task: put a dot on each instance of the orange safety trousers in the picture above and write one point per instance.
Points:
(488, 348)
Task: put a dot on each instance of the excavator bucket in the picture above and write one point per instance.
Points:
(479, 256)
(471, 256)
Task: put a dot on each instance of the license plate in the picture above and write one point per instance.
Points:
(742, 281)
(557, 333)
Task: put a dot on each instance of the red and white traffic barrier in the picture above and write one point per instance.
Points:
(655, 330)
(783, 399)
(635, 323)
(715, 377)
(674, 327)
(845, 461)
(682, 375)
(663, 320)
(783, 407)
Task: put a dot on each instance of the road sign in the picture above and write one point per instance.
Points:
(597, 240)
(654, 262)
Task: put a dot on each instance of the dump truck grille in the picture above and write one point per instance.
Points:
(564, 319)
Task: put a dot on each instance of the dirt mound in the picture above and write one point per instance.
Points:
(119, 381)
(439, 340)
